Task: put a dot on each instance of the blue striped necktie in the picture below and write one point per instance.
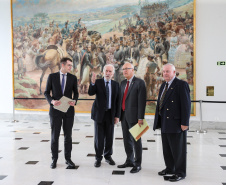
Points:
(107, 94)
(62, 84)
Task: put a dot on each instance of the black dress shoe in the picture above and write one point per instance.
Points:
(97, 163)
(175, 178)
(53, 164)
(125, 165)
(110, 161)
(69, 162)
(165, 172)
(135, 169)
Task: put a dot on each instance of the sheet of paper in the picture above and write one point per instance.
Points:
(64, 106)
(137, 131)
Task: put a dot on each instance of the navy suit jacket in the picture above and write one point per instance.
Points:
(99, 105)
(176, 107)
(53, 86)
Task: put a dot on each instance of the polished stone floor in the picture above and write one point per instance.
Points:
(25, 157)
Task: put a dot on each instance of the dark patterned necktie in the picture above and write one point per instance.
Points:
(62, 84)
(163, 96)
(107, 94)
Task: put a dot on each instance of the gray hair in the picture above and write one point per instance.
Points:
(130, 64)
(172, 66)
(110, 66)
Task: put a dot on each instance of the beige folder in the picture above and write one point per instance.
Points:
(138, 131)
(64, 106)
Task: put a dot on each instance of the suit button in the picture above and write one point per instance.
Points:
(167, 109)
(172, 101)
(167, 117)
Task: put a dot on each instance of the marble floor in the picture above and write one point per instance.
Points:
(25, 157)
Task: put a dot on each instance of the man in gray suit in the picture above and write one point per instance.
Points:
(133, 102)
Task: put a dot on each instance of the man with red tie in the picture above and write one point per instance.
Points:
(133, 102)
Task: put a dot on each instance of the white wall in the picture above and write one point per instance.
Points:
(210, 48)
(6, 91)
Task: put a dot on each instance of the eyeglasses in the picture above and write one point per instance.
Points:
(125, 69)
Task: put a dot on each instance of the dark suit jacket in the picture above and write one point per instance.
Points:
(98, 108)
(176, 107)
(53, 85)
(135, 100)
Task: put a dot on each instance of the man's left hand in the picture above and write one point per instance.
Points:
(71, 103)
(140, 122)
(183, 127)
(116, 120)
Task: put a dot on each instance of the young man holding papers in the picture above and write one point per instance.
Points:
(133, 102)
(58, 85)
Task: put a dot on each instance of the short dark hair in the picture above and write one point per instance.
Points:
(64, 60)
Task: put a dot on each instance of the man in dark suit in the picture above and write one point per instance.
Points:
(172, 116)
(105, 113)
(133, 102)
(61, 84)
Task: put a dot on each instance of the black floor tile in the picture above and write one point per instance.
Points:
(223, 183)
(222, 132)
(118, 138)
(222, 155)
(46, 183)
(44, 140)
(222, 145)
(89, 136)
(87, 125)
(25, 122)
(188, 143)
(2, 177)
(223, 167)
(31, 162)
(18, 138)
(191, 131)
(36, 132)
(75, 143)
(157, 134)
(76, 129)
(189, 136)
(222, 138)
(23, 148)
(45, 123)
(91, 155)
(14, 131)
(117, 172)
(59, 151)
(145, 148)
(150, 140)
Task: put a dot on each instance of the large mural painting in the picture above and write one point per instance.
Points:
(147, 33)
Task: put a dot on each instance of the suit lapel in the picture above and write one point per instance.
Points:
(103, 86)
(131, 86)
(170, 90)
(58, 82)
(67, 82)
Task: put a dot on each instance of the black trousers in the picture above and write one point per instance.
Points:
(104, 134)
(133, 148)
(175, 152)
(67, 124)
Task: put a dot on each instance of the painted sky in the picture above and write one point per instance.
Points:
(31, 7)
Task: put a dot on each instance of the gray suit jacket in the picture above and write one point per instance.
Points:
(135, 100)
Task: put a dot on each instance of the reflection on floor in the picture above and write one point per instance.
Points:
(25, 157)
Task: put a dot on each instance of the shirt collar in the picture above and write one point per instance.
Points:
(63, 73)
(171, 81)
(131, 79)
(107, 81)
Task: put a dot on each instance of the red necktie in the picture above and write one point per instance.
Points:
(124, 96)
